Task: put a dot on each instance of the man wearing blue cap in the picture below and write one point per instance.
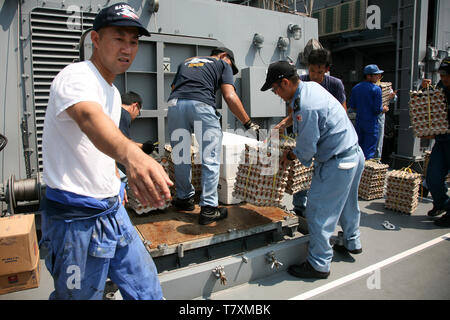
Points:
(366, 99)
(85, 227)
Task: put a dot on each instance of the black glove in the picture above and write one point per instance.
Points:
(251, 125)
(148, 147)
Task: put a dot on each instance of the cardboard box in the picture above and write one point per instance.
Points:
(19, 251)
(233, 146)
(225, 191)
(20, 281)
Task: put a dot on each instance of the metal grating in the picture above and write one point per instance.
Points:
(54, 43)
(344, 17)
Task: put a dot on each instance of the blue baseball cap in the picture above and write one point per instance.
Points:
(372, 69)
(119, 14)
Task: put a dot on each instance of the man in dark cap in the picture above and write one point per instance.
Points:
(192, 108)
(323, 132)
(85, 227)
(439, 164)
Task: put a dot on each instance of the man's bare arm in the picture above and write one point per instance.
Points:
(146, 177)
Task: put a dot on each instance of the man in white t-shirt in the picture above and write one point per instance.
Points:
(84, 225)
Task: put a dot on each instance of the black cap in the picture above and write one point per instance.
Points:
(230, 54)
(445, 66)
(278, 70)
(119, 14)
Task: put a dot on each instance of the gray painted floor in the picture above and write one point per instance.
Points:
(422, 275)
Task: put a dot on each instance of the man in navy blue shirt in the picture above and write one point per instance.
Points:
(192, 108)
(439, 164)
(366, 99)
(131, 109)
(319, 63)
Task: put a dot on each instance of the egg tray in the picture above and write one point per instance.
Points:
(196, 169)
(386, 89)
(402, 190)
(136, 206)
(428, 112)
(254, 182)
(299, 177)
(371, 185)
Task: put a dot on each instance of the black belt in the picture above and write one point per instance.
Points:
(346, 153)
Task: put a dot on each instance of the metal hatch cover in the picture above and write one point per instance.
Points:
(164, 233)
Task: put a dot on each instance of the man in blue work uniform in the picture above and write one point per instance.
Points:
(85, 227)
(366, 99)
(319, 63)
(192, 108)
(324, 132)
(439, 164)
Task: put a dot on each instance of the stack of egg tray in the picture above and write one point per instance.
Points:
(386, 89)
(137, 207)
(402, 191)
(371, 185)
(135, 204)
(256, 181)
(196, 167)
(299, 177)
(428, 112)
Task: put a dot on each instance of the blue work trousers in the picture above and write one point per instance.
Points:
(381, 121)
(189, 116)
(367, 140)
(83, 253)
(438, 168)
(333, 199)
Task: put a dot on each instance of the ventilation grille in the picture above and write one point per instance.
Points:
(55, 35)
(345, 17)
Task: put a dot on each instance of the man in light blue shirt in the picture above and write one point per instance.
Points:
(324, 132)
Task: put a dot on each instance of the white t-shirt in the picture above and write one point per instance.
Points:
(71, 161)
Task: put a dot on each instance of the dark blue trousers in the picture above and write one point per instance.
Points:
(438, 168)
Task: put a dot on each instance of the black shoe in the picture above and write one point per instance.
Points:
(299, 213)
(443, 221)
(184, 204)
(343, 249)
(210, 214)
(435, 212)
(305, 270)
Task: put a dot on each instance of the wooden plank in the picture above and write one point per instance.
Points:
(171, 227)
